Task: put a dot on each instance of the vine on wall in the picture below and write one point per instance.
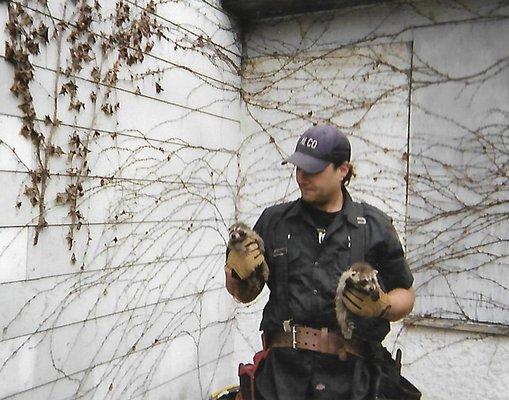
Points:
(150, 203)
(84, 53)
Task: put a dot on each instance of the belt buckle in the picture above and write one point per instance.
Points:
(288, 327)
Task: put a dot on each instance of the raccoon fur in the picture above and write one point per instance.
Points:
(362, 277)
(238, 232)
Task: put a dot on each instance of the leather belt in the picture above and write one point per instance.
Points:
(320, 340)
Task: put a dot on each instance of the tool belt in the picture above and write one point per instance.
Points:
(320, 340)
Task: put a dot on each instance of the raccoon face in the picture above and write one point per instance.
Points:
(365, 281)
(238, 232)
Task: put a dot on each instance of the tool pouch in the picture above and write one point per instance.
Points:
(247, 375)
(387, 382)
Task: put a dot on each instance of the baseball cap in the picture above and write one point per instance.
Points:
(318, 147)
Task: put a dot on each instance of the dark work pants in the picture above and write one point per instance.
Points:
(290, 374)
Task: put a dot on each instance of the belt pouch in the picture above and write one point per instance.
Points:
(247, 375)
(387, 381)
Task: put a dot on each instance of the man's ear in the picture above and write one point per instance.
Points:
(344, 168)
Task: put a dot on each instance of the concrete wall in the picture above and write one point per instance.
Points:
(421, 88)
(123, 294)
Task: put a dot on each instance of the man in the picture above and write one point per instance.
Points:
(308, 244)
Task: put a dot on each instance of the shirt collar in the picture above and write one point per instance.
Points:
(349, 209)
(297, 209)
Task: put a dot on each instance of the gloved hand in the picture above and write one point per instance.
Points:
(244, 262)
(363, 305)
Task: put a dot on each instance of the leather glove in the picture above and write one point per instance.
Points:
(363, 305)
(244, 262)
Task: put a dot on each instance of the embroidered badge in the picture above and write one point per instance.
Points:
(281, 251)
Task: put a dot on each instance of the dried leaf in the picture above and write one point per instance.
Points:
(69, 239)
(95, 74)
(31, 193)
(107, 109)
(25, 21)
(26, 131)
(62, 198)
(28, 109)
(43, 32)
(10, 54)
(18, 88)
(55, 151)
(91, 39)
(69, 88)
(76, 105)
(32, 47)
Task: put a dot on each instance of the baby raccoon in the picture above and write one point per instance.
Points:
(362, 277)
(238, 232)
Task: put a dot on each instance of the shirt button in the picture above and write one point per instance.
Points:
(315, 292)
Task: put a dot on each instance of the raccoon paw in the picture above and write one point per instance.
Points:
(347, 330)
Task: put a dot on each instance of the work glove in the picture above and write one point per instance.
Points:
(362, 304)
(245, 261)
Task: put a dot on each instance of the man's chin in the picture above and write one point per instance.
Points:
(306, 196)
(310, 199)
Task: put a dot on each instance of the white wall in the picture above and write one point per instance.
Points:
(136, 307)
(424, 79)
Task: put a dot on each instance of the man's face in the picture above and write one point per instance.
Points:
(322, 188)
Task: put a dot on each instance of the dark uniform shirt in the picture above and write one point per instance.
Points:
(306, 254)
(306, 251)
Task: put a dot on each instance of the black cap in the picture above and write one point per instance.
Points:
(318, 147)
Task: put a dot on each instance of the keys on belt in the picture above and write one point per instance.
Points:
(288, 328)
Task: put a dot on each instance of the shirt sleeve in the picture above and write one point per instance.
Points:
(386, 254)
(259, 226)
